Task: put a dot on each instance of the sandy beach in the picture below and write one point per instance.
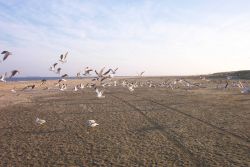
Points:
(149, 127)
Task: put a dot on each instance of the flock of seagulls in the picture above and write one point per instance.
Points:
(3, 77)
(104, 78)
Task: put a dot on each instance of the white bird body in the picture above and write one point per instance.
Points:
(2, 79)
(81, 86)
(40, 121)
(75, 89)
(92, 123)
(99, 93)
(63, 58)
(63, 87)
(245, 90)
(13, 90)
(131, 88)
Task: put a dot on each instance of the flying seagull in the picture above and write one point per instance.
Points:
(113, 72)
(6, 54)
(2, 78)
(53, 67)
(140, 74)
(65, 75)
(78, 75)
(29, 87)
(58, 70)
(87, 71)
(63, 57)
(13, 73)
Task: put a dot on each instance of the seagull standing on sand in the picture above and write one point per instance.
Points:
(244, 90)
(92, 123)
(99, 93)
(13, 90)
(81, 86)
(40, 121)
(131, 87)
(75, 89)
(63, 87)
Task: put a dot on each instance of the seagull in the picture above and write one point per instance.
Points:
(40, 121)
(6, 54)
(78, 75)
(29, 86)
(131, 87)
(100, 74)
(99, 93)
(13, 90)
(65, 75)
(115, 83)
(63, 57)
(226, 85)
(63, 87)
(87, 71)
(140, 74)
(43, 81)
(13, 73)
(244, 90)
(113, 72)
(75, 89)
(53, 68)
(92, 123)
(81, 86)
(58, 70)
(59, 81)
(2, 78)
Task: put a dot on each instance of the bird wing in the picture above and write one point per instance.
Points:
(13, 73)
(54, 65)
(107, 72)
(100, 73)
(61, 57)
(5, 56)
(65, 56)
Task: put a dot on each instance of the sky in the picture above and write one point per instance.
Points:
(161, 37)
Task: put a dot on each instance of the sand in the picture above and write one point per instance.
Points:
(149, 127)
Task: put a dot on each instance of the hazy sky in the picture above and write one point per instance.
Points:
(162, 37)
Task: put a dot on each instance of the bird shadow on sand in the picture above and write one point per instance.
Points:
(149, 129)
(241, 100)
(42, 132)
